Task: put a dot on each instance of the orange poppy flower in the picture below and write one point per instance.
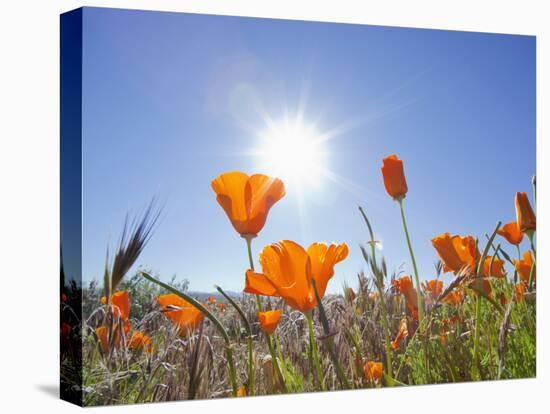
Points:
(511, 233)
(524, 266)
(374, 371)
(241, 392)
(269, 320)
(221, 307)
(405, 286)
(394, 177)
(211, 300)
(525, 216)
(402, 334)
(467, 251)
(457, 253)
(181, 313)
(101, 332)
(288, 270)
(520, 291)
(247, 200)
(120, 304)
(443, 338)
(497, 269)
(350, 294)
(434, 287)
(453, 298)
(139, 341)
(373, 296)
(481, 285)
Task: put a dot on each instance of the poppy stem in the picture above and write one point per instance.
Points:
(280, 377)
(249, 249)
(251, 365)
(387, 334)
(534, 265)
(477, 365)
(448, 360)
(530, 237)
(231, 369)
(314, 352)
(213, 319)
(421, 327)
(385, 319)
(417, 279)
(371, 233)
(251, 264)
(260, 309)
(277, 345)
(477, 368)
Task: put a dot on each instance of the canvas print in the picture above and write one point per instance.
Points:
(261, 207)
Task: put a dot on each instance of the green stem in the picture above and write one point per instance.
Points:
(421, 327)
(479, 267)
(213, 319)
(499, 251)
(387, 333)
(231, 368)
(251, 365)
(260, 309)
(259, 303)
(477, 369)
(385, 319)
(371, 233)
(530, 237)
(249, 249)
(314, 352)
(251, 264)
(417, 279)
(532, 272)
(339, 370)
(280, 355)
(448, 360)
(478, 275)
(280, 377)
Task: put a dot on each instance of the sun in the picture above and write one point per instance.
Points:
(294, 152)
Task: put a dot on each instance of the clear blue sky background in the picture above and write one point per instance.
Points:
(170, 101)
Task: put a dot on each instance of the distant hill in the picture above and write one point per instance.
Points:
(203, 296)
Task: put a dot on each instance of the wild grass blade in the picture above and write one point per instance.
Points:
(329, 338)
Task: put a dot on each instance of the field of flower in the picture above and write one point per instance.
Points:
(142, 340)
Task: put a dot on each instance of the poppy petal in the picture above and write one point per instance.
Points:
(259, 284)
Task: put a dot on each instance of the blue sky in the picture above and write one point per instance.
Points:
(171, 100)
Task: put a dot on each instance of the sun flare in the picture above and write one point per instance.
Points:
(294, 152)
